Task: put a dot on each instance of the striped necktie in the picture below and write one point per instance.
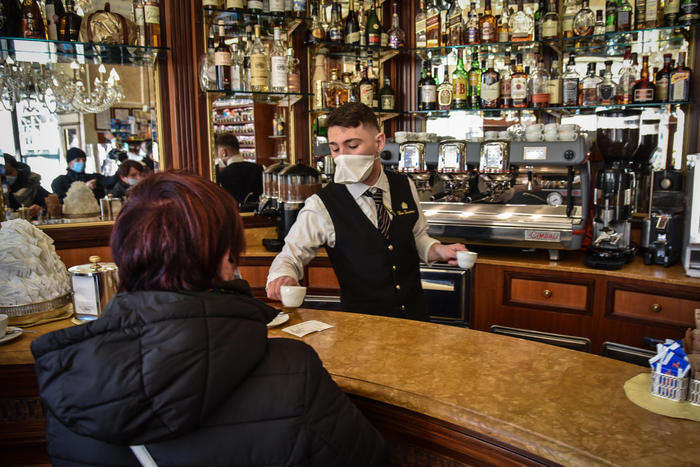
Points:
(383, 219)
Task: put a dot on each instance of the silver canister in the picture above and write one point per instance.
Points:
(494, 157)
(412, 157)
(452, 156)
(94, 285)
(110, 207)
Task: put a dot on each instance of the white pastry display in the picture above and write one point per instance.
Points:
(80, 200)
(30, 269)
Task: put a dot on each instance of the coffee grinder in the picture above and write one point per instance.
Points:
(617, 138)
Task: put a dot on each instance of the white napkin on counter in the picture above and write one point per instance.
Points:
(307, 327)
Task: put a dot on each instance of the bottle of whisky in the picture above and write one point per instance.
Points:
(690, 12)
(487, 25)
(387, 96)
(151, 13)
(584, 21)
(69, 24)
(420, 26)
(679, 85)
(366, 89)
(539, 86)
(672, 9)
(432, 25)
(644, 90)
(428, 91)
(278, 64)
(662, 80)
(550, 23)
(607, 87)
(32, 21)
(460, 81)
(474, 86)
(590, 86)
(627, 79)
(623, 18)
(503, 26)
(445, 92)
(222, 60)
(571, 7)
(471, 30)
(490, 87)
(454, 25)
(518, 84)
(506, 83)
(555, 84)
(259, 71)
(569, 83)
(522, 24)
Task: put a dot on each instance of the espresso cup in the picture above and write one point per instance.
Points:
(466, 259)
(292, 295)
(3, 325)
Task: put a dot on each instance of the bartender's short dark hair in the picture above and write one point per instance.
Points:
(227, 140)
(127, 165)
(351, 115)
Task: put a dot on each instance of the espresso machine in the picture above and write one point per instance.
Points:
(617, 138)
(691, 237)
(294, 183)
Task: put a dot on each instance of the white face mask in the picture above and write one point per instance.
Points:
(353, 168)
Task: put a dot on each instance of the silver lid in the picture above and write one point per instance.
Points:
(95, 267)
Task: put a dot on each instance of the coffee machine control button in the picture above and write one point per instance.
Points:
(665, 183)
(569, 154)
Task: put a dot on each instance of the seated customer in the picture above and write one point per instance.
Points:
(180, 360)
(240, 178)
(130, 173)
(24, 185)
(76, 173)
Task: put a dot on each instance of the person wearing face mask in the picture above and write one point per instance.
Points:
(24, 186)
(239, 177)
(76, 173)
(370, 222)
(130, 173)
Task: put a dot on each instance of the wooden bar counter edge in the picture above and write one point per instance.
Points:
(442, 393)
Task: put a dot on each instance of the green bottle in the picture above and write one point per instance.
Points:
(474, 88)
(460, 80)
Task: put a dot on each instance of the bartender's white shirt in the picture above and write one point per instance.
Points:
(314, 228)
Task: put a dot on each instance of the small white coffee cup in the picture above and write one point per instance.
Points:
(3, 325)
(534, 136)
(567, 136)
(466, 259)
(292, 295)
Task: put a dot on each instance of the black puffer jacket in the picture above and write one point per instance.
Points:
(194, 377)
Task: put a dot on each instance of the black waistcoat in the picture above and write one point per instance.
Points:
(377, 276)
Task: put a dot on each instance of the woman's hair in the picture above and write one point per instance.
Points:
(126, 167)
(173, 232)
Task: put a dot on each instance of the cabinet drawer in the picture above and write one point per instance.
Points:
(548, 292)
(653, 308)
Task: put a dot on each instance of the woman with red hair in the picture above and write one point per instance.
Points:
(180, 361)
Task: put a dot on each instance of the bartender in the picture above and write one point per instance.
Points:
(76, 158)
(370, 222)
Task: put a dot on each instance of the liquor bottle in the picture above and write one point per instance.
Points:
(611, 15)
(445, 92)
(571, 7)
(69, 24)
(397, 38)
(662, 80)
(387, 96)
(53, 9)
(539, 19)
(471, 30)
(374, 27)
(32, 21)
(474, 83)
(277, 7)
(335, 93)
(374, 78)
(672, 10)
(432, 25)
(420, 88)
(366, 89)
(420, 26)
(652, 14)
(428, 91)
(623, 16)
(352, 26)
(644, 90)
(589, 85)
(627, 79)
(490, 87)
(444, 7)
(518, 84)
(554, 86)
(503, 25)
(460, 81)
(689, 12)
(506, 83)
(232, 5)
(255, 6)
(640, 14)
(316, 32)
(236, 66)
(487, 25)
(151, 14)
(259, 72)
(335, 31)
(521, 24)
(599, 27)
(550, 23)
(299, 8)
(222, 60)
(278, 64)
(607, 87)
(569, 83)
(679, 84)
(539, 86)
(454, 25)
(584, 21)
(140, 22)
(318, 78)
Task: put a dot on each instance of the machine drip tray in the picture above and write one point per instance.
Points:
(610, 260)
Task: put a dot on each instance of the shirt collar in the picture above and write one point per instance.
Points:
(234, 159)
(358, 189)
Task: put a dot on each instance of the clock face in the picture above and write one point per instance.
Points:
(555, 199)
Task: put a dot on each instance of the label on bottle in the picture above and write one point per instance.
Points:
(366, 94)
(255, 5)
(231, 4)
(689, 11)
(50, 20)
(432, 31)
(570, 91)
(473, 35)
(672, 7)
(491, 92)
(505, 88)
(567, 24)
(374, 35)
(388, 102)
(487, 32)
(222, 58)
(428, 94)
(138, 17)
(606, 93)
(589, 96)
(236, 77)
(554, 89)
(541, 98)
(335, 33)
(550, 29)
(662, 89)
(258, 70)
(420, 33)
(276, 6)
(679, 86)
(151, 14)
(652, 11)
(300, 6)
(644, 95)
(503, 35)
(443, 22)
(474, 79)
(640, 13)
(294, 82)
(624, 20)
(518, 88)
(207, 3)
(278, 71)
(353, 38)
(460, 89)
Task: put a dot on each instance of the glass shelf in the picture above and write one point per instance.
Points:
(240, 19)
(278, 16)
(335, 49)
(278, 98)
(382, 115)
(45, 51)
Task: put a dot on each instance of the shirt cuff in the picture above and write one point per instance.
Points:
(423, 246)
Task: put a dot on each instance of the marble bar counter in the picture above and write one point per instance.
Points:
(443, 395)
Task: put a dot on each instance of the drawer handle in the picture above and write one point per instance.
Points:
(547, 293)
(656, 308)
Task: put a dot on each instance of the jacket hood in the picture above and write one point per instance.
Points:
(154, 364)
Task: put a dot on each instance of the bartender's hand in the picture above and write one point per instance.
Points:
(34, 210)
(446, 253)
(91, 183)
(273, 288)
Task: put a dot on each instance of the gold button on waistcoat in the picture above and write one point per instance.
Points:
(394, 267)
(391, 247)
(403, 308)
(398, 287)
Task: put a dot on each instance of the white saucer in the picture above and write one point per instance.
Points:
(12, 333)
(279, 319)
